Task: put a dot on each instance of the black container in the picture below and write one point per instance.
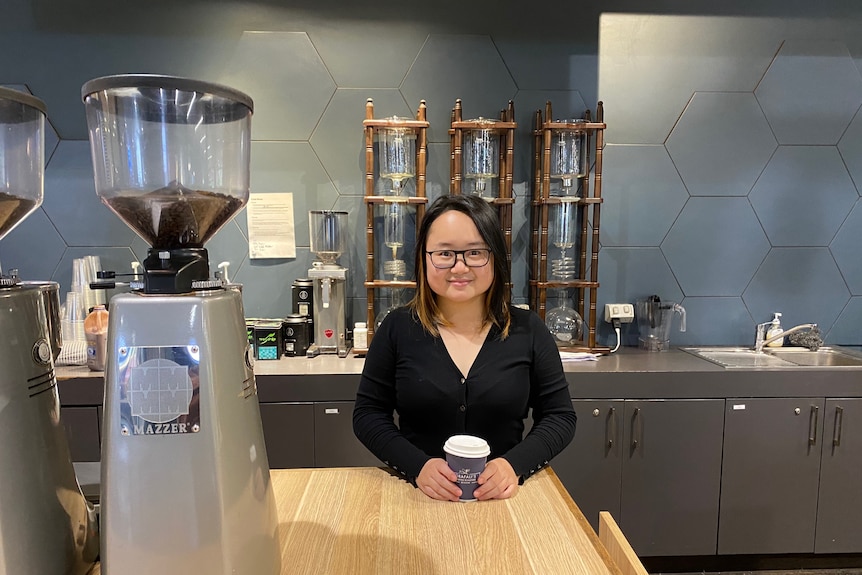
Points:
(296, 331)
(268, 339)
(303, 302)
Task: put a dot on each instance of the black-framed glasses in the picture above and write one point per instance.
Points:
(472, 258)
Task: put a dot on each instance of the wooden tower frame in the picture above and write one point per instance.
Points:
(419, 126)
(589, 203)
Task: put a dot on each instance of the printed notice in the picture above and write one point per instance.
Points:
(270, 226)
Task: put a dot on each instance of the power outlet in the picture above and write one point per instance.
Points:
(625, 312)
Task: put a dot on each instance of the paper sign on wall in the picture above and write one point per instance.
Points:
(271, 231)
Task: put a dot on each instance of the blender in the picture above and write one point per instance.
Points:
(655, 318)
(46, 525)
(328, 239)
(185, 481)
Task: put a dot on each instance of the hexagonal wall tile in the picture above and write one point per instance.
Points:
(290, 167)
(438, 176)
(850, 148)
(810, 92)
(115, 259)
(552, 65)
(339, 139)
(662, 61)
(803, 195)
(287, 80)
(627, 275)
(266, 283)
(715, 321)
(33, 247)
(71, 202)
(453, 66)
(642, 195)
(846, 329)
(804, 284)
(845, 249)
(373, 55)
(715, 246)
(721, 143)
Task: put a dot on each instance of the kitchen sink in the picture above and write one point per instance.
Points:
(783, 357)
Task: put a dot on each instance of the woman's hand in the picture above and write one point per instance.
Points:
(498, 481)
(437, 481)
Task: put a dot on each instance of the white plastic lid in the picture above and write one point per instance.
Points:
(359, 324)
(467, 446)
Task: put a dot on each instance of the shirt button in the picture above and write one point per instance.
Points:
(463, 408)
(463, 380)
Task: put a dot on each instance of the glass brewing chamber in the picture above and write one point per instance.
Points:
(171, 156)
(22, 156)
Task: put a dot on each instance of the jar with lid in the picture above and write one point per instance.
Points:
(360, 335)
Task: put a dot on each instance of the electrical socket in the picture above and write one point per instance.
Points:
(625, 312)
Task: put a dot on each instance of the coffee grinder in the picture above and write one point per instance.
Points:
(46, 525)
(328, 231)
(185, 478)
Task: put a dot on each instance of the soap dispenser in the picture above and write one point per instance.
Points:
(775, 329)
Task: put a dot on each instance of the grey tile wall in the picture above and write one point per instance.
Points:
(730, 177)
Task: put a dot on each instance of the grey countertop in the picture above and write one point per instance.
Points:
(630, 373)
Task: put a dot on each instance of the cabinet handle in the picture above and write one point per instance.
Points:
(612, 426)
(636, 428)
(839, 422)
(812, 425)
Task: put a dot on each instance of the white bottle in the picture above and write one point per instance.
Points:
(775, 329)
(360, 335)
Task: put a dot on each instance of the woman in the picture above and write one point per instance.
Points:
(459, 359)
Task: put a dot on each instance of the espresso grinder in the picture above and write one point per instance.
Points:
(46, 525)
(328, 239)
(185, 482)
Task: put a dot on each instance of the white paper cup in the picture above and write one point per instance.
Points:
(466, 456)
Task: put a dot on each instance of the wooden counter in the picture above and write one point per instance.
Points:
(366, 520)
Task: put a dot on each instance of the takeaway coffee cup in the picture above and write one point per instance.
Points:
(466, 456)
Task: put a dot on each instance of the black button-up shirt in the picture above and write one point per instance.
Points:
(410, 372)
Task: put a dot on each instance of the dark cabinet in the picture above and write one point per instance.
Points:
(655, 464)
(770, 475)
(838, 511)
(82, 432)
(335, 444)
(288, 429)
(671, 475)
(590, 467)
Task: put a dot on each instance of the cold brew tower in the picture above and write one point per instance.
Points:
(185, 478)
(46, 526)
(328, 238)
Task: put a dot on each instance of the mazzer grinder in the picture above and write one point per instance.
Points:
(185, 478)
(46, 525)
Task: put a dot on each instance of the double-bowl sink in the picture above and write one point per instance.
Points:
(782, 357)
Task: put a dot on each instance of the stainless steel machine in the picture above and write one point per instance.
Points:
(328, 239)
(46, 525)
(185, 478)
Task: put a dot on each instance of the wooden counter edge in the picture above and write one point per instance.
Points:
(584, 524)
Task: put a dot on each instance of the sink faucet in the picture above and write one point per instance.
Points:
(761, 339)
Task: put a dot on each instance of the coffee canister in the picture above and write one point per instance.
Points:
(295, 334)
(268, 339)
(303, 302)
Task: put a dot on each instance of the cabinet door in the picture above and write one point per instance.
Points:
(590, 466)
(839, 507)
(672, 475)
(335, 444)
(770, 475)
(82, 432)
(288, 429)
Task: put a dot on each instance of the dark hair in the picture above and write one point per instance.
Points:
(424, 303)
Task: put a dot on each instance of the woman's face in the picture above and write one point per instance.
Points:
(453, 230)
